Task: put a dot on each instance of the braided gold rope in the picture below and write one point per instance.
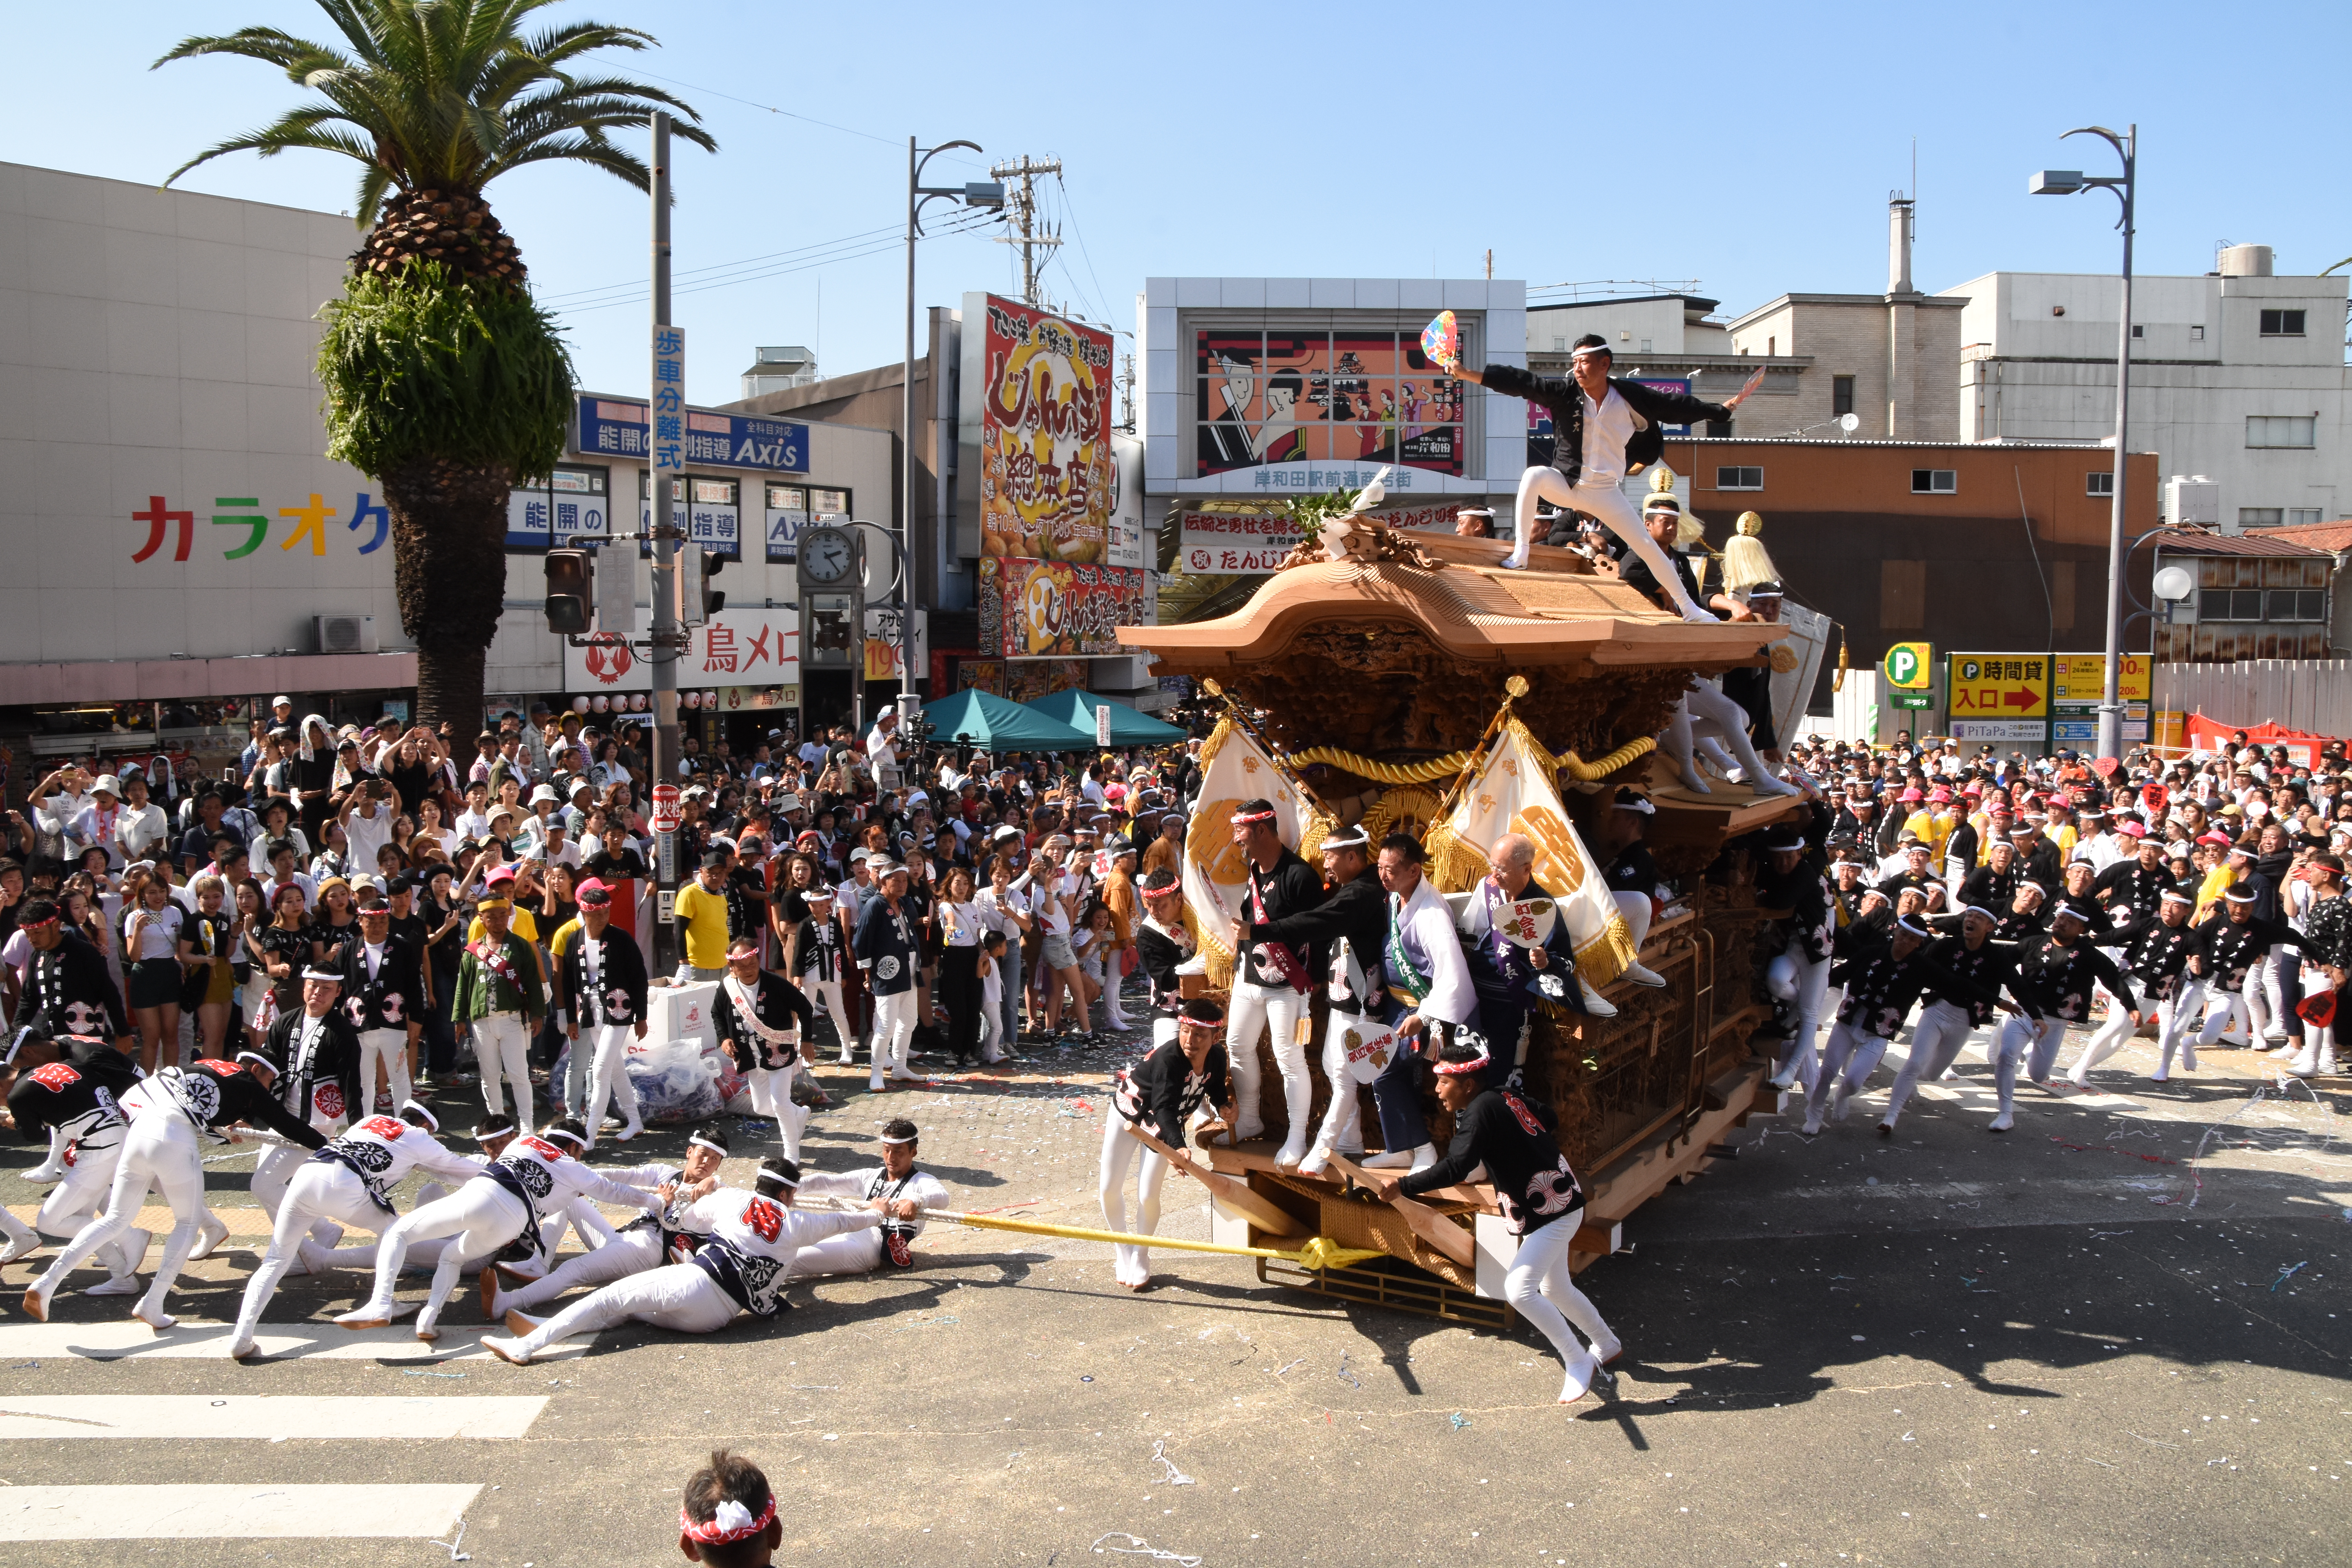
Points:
(1447, 767)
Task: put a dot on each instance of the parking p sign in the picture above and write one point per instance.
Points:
(1906, 667)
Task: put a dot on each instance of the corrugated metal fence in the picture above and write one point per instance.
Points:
(2313, 695)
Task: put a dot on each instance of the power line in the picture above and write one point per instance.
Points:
(1099, 297)
(977, 221)
(789, 114)
(721, 267)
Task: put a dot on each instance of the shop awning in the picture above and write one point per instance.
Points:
(1129, 726)
(999, 723)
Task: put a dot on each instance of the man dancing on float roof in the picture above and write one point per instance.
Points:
(1603, 428)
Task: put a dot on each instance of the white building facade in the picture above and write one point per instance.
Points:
(2237, 377)
(177, 535)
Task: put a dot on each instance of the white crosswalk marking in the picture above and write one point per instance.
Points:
(266, 1418)
(117, 1338)
(261, 1511)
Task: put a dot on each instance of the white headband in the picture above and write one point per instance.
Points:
(894, 1142)
(698, 1141)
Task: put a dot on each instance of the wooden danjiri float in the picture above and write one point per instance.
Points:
(1410, 680)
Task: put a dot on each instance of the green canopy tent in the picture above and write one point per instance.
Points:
(1000, 724)
(1128, 726)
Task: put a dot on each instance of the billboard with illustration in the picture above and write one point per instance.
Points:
(1049, 609)
(1314, 394)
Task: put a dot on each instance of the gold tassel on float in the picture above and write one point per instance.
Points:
(1837, 682)
(1746, 562)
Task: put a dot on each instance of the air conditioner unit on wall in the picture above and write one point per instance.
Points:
(346, 633)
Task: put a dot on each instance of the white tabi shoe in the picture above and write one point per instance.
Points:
(374, 1316)
(1595, 1003)
(212, 1233)
(1293, 1150)
(510, 1350)
(1841, 1102)
(1318, 1159)
(1423, 1157)
(1387, 1160)
(2002, 1123)
(244, 1349)
(1641, 976)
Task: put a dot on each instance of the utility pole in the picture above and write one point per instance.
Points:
(661, 512)
(1023, 206)
(1126, 394)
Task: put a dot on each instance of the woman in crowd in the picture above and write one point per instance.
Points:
(151, 960)
(207, 958)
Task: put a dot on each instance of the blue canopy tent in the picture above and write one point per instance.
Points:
(1128, 726)
(1000, 724)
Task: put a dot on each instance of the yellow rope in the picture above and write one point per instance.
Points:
(1383, 773)
(1318, 1253)
(1585, 772)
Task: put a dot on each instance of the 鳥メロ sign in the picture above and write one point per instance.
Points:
(1998, 685)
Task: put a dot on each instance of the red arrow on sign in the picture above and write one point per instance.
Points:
(2017, 699)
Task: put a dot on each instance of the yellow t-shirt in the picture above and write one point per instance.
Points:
(519, 922)
(2217, 882)
(702, 914)
(565, 936)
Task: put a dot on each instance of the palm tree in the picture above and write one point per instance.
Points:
(445, 382)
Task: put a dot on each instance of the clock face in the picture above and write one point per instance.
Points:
(827, 555)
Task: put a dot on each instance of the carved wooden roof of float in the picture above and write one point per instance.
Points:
(1471, 609)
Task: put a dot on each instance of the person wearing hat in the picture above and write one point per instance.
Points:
(93, 826)
(499, 999)
(504, 1202)
(1271, 979)
(745, 1265)
(1161, 1095)
(2326, 964)
(76, 1101)
(2231, 949)
(2056, 974)
(347, 1186)
(1885, 979)
(1791, 891)
(2139, 879)
(1162, 944)
(1630, 874)
(1514, 1140)
(886, 947)
(66, 988)
(2156, 949)
(907, 1193)
(648, 1242)
(701, 908)
(1950, 1014)
(1603, 430)
(759, 1018)
(174, 1120)
(601, 992)
(384, 994)
(814, 949)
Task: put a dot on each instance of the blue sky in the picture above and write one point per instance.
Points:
(1725, 144)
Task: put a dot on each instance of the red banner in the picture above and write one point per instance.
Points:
(1044, 444)
(1049, 609)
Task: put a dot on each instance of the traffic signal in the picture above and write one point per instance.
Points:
(571, 591)
(713, 601)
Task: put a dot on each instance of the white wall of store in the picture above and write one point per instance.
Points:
(161, 343)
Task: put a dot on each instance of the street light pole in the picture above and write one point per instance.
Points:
(662, 651)
(2068, 183)
(978, 195)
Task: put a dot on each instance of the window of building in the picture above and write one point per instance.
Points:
(1771, 347)
(2296, 604)
(1645, 345)
(2281, 323)
(1841, 395)
(2230, 605)
(2139, 328)
(2100, 483)
(1720, 429)
(2280, 430)
(2259, 517)
(1354, 398)
(2196, 334)
(1560, 343)
(1935, 481)
(1739, 479)
(2298, 516)
(1902, 595)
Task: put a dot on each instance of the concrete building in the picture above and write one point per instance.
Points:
(1887, 359)
(183, 547)
(779, 370)
(2237, 376)
(2258, 595)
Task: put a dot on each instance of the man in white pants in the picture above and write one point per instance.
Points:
(759, 1018)
(817, 956)
(316, 1053)
(2154, 955)
(603, 990)
(887, 952)
(1602, 430)
(905, 1191)
(383, 996)
(83, 1102)
(744, 1267)
(1271, 978)
(1951, 1014)
(179, 1107)
(647, 1243)
(499, 998)
(347, 1183)
(530, 1179)
(1186, 1069)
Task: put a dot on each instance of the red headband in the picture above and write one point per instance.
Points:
(35, 925)
(1243, 820)
(733, 1521)
(1455, 1070)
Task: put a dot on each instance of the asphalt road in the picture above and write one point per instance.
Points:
(2112, 1335)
